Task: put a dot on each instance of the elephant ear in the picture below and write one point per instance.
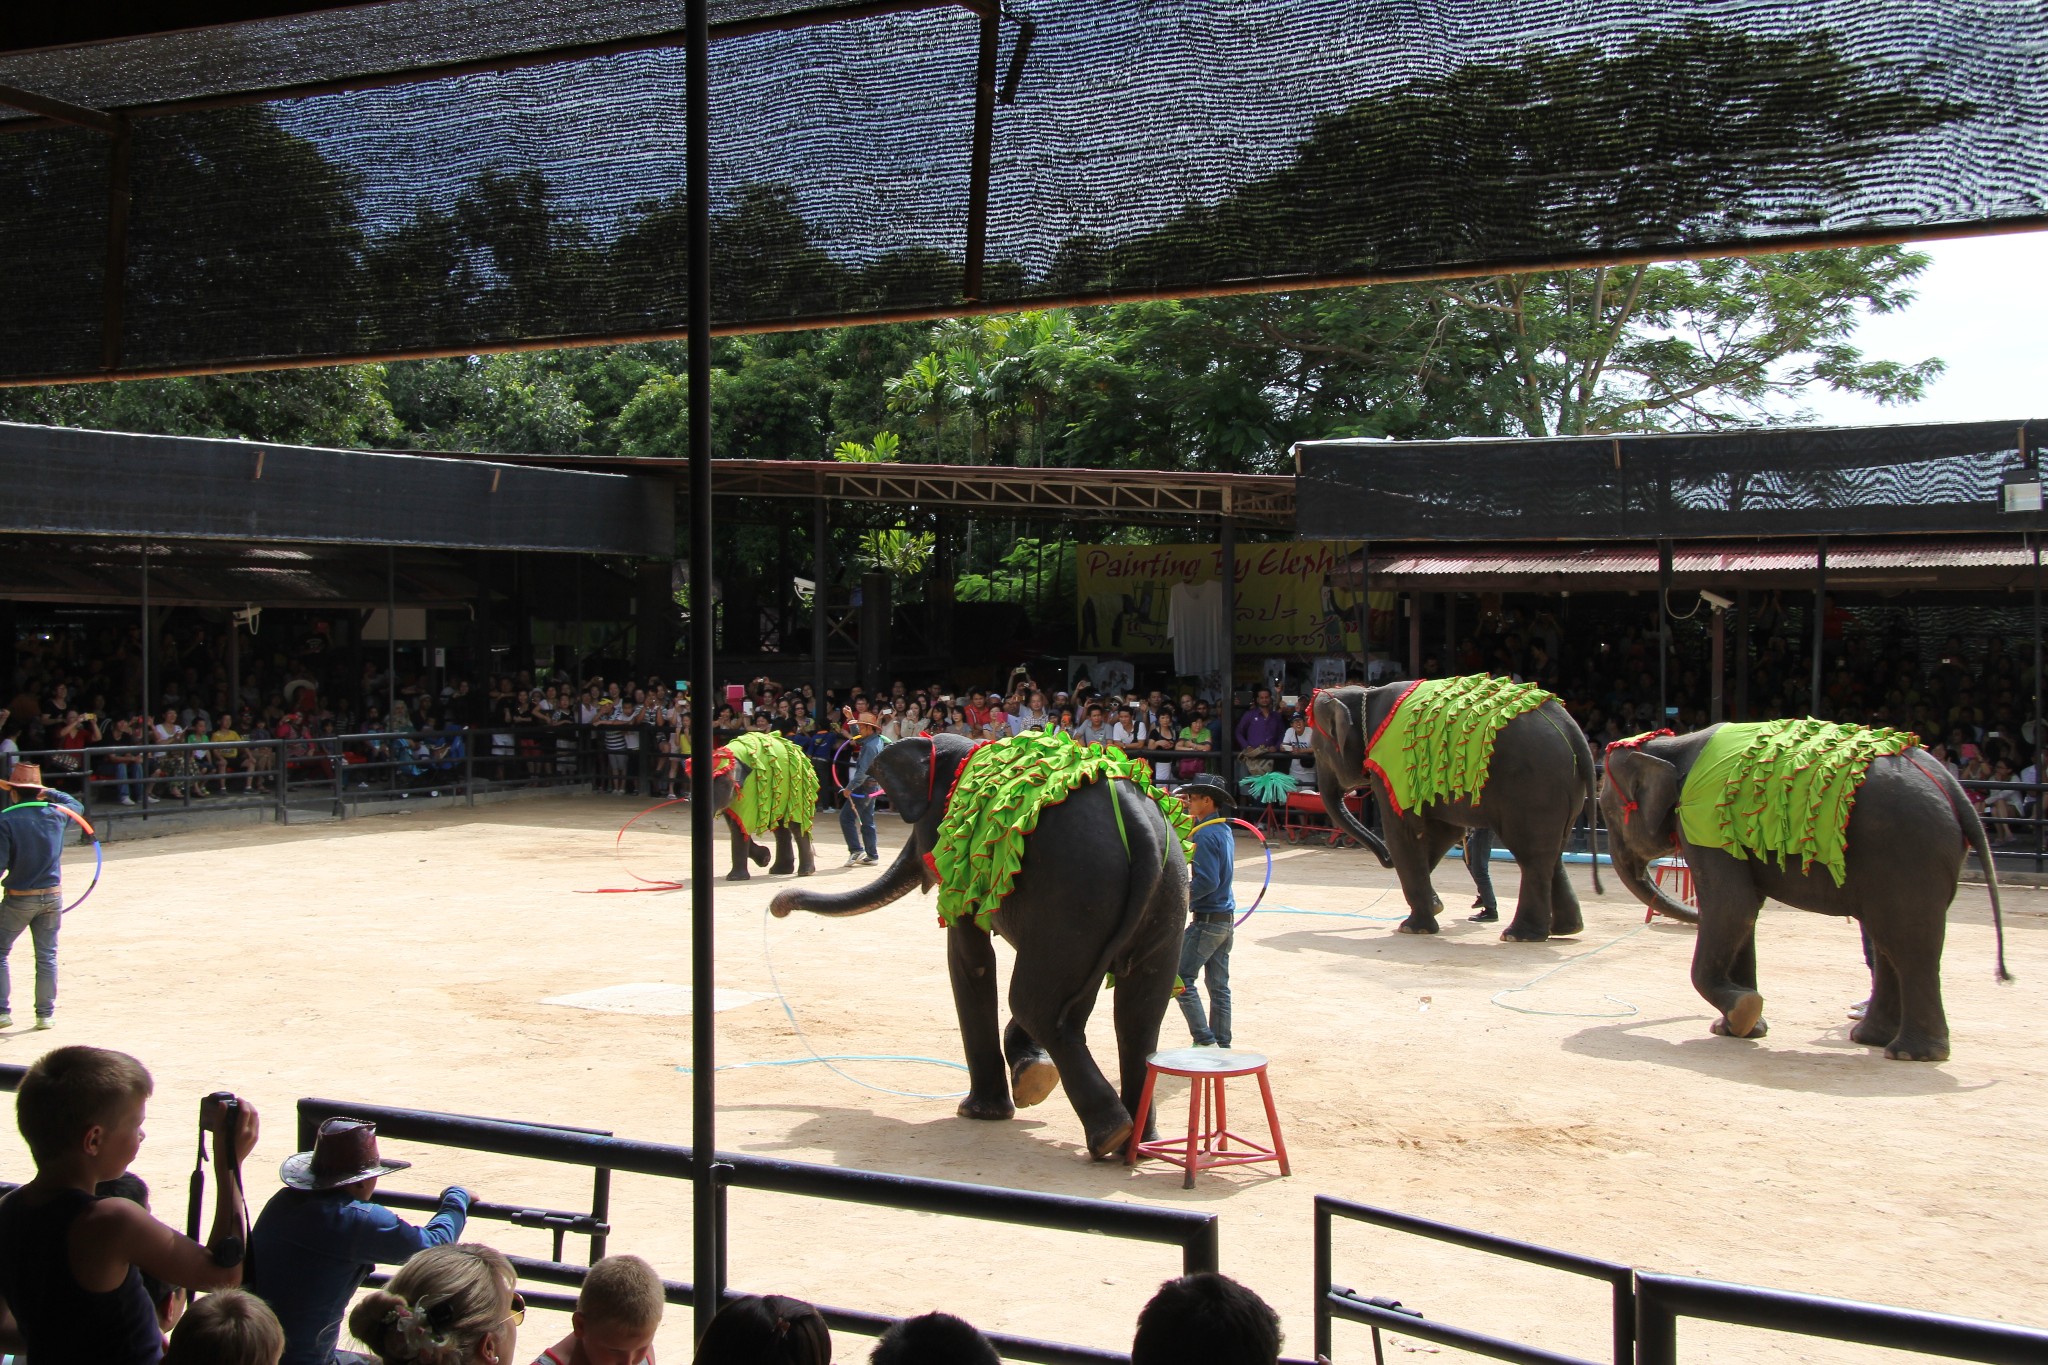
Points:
(1648, 790)
(1334, 717)
(907, 771)
(739, 772)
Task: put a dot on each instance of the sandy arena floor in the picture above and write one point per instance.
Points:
(403, 960)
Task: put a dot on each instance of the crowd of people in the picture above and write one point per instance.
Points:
(89, 1275)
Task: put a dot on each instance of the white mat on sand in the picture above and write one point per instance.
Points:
(650, 997)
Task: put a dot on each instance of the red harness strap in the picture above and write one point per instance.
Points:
(1961, 824)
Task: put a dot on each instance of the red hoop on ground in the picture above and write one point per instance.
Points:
(618, 842)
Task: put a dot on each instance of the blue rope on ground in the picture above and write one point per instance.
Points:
(1624, 1012)
(816, 1058)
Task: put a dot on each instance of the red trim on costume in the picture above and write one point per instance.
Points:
(1633, 742)
(722, 762)
(958, 769)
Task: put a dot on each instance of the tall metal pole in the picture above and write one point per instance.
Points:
(1820, 614)
(145, 706)
(1742, 654)
(390, 632)
(707, 1271)
(1663, 636)
(1717, 710)
(2040, 731)
(818, 599)
(1226, 733)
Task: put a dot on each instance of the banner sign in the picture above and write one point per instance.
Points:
(1300, 597)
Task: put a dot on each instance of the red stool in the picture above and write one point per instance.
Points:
(1679, 871)
(1209, 1140)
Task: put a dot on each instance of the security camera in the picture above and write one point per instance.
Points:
(1716, 601)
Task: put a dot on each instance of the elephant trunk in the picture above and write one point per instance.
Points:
(905, 874)
(1634, 873)
(1332, 791)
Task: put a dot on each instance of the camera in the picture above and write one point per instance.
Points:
(1716, 601)
(221, 1104)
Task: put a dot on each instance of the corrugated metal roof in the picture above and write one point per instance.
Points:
(1844, 557)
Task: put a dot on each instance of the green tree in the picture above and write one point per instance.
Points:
(339, 406)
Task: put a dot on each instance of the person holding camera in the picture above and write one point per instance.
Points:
(72, 1262)
(320, 1237)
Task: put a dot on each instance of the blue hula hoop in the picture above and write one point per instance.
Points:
(99, 853)
(1260, 835)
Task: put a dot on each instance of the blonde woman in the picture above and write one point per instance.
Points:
(448, 1305)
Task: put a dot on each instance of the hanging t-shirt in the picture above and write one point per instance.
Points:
(1195, 623)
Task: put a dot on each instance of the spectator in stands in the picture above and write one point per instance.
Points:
(1095, 728)
(71, 1262)
(936, 1339)
(1206, 1317)
(766, 1329)
(448, 1305)
(169, 1300)
(228, 1328)
(1299, 744)
(618, 1311)
(319, 1237)
(1258, 732)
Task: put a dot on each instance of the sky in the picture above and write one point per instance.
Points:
(1983, 308)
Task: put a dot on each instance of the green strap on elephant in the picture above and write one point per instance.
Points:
(1782, 789)
(998, 795)
(1437, 742)
(781, 787)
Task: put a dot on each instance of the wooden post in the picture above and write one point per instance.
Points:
(1820, 614)
(1742, 654)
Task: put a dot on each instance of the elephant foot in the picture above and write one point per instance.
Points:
(1033, 1081)
(1567, 927)
(1518, 932)
(1746, 1020)
(1909, 1047)
(758, 855)
(1412, 925)
(782, 869)
(739, 874)
(806, 869)
(1874, 1032)
(972, 1108)
(1111, 1145)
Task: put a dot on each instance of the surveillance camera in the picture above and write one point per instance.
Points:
(1716, 601)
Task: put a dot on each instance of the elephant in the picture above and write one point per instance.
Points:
(1906, 835)
(1538, 782)
(786, 805)
(1093, 895)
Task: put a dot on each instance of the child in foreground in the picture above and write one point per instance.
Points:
(71, 1262)
(617, 1313)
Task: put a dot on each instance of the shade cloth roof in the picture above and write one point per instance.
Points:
(79, 570)
(1976, 563)
(434, 176)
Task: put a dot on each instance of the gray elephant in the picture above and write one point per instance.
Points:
(1101, 886)
(762, 782)
(1887, 841)
(1446, 755)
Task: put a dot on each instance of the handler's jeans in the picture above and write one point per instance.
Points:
(858, 810)
(39, 912)
(1205, 953)
(1479, 862)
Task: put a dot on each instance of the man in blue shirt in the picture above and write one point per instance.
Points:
(1205, 947)
(320, 1237)
(32, 850)
(857, 816)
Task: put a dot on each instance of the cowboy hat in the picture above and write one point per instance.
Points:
(344, 1151)
(1209, 785)
(26, 776)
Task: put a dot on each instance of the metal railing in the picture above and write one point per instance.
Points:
(1335, 1301)
(2030, 815)
(1194, 1232)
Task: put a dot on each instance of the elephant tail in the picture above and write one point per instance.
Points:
(1583, 754)
(1147, 837)
(1973, 831)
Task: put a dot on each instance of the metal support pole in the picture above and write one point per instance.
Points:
(1365, 610)
(1820, 615)
(978, 171)
(707, 1272)
(147, 707)
(114, 282)
(818, 600)
(1717, 712)
(2040, 730)
(1226, 733)
(390, 633)
(1663, 636)
(1450, 634)
(1414, 634)
(1742, 654)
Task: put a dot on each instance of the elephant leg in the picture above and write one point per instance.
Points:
(741, 846)
(1032, 1073)
(1412, 842)
(1566, 919)
(1881, 1017)
(1724, 958)
(1143, 990)
(1914, 956)
(785, 859)
(1040, 990)
(971, 962)
(1535, 906)
(805, 864)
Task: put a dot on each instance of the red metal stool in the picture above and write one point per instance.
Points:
(1209, 1140)
(1678, 870)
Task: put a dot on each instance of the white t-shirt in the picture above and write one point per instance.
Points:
(1133, 733)
(1299, 742)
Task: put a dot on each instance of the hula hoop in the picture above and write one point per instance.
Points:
(618, 841)
(99, 853)
(1260, 835)
(846, 788)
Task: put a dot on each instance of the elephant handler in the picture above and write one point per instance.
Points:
(32, 831)
(857, 815)
(1205, 947)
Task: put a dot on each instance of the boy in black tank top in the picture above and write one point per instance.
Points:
(71, 1263)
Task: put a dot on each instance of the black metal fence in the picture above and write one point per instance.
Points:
(1195, 1233)
(1646, 1307)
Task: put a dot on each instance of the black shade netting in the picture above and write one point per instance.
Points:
(1160, 147)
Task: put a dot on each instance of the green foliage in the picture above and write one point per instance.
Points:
(342, 406)
(1031, 572)
(900, 553)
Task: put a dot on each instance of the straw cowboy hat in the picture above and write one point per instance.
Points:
(344, 1151)
(867, 718)
(25, 777)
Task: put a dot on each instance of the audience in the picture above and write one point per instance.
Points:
(617, 1313)
(229, 1328)
(1206, 1317)
(449, 1305)
(933, 1339)
(766, 1329)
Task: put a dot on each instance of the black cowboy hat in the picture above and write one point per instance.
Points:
(1211, 786)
